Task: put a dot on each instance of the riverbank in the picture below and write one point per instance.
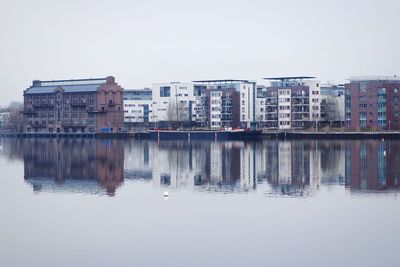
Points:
(219, 136)
(70, 135)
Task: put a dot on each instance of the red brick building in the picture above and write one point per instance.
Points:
(372, 103)
(74, 106)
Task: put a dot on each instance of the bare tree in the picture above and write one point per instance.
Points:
(332, 111)
(171, 113)
(183, 112)
(177, 114)
(15, 120)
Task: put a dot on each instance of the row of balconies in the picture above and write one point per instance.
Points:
(82, 102)
(30, 110)
(75, 122)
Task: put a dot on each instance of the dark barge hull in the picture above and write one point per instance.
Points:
(204, 135)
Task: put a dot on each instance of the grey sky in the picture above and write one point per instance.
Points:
(143, 42)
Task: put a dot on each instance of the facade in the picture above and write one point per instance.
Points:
(138, 107)
(289, 103)
(372, 103)
(174, 103)
(223, 108)
(213, 104)
(74, 106)
(230, 103)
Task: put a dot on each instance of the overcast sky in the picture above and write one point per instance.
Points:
(143, 42)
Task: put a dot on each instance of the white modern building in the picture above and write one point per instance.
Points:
(138, 107)
(207, 103)
(174, 102)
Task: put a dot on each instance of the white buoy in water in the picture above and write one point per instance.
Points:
(166, 195)
(384, 153)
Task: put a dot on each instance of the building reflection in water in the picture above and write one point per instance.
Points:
(84, 165)
(285, 167)
(372, 165)
(290, 168)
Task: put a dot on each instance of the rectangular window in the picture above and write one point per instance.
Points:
(165, 91)
(363, 87)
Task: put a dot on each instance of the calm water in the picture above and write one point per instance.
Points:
(273, 203)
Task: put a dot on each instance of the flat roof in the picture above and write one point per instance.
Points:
(288, 78)
(221, 81)
(373, 78)
(144, 90)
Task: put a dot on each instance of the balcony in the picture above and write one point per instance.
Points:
(300, 103)
(300, 118)
(43, 104)
(75, 122)
(37, 124)
(79, 103)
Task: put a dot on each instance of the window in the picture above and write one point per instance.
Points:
(396, 90)
(363, 115)
(165, 91)
(363, 98)
(363, 87)
(363, 106)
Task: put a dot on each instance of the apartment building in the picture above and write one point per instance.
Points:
(230, 103)
(289, 103)
(74, 106)
(208, 103)
(373, 102)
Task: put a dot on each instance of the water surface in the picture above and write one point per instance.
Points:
(90, 202)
